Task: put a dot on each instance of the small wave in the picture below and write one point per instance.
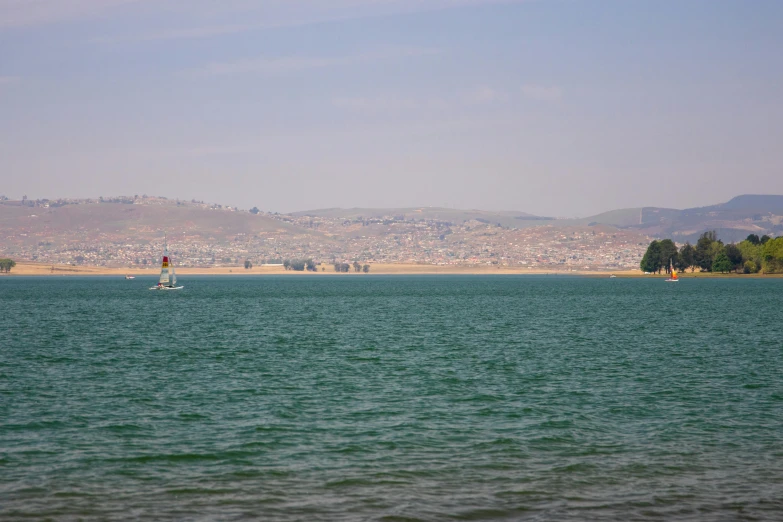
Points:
(490, 513)
(578, 467)
(192, 457)
(360, 482)
(122, 428)
(192, 416)
(200, 491)
(73, 494)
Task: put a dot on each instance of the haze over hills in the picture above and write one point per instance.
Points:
(129, 231)
(733, 220)
(510, 219)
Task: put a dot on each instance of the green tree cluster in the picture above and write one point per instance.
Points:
(772, 256)
(756, 240)
(660, 255)
(345, 267)
(651, 261)
(300, 265)
(711, 255)
(6, 264)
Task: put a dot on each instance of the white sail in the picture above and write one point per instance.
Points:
(164, 269)
(168, 278)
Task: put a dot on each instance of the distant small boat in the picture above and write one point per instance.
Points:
(168, 279)
(611, 276)
(130, 277)
(673, 278)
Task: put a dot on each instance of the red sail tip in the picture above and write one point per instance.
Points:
(165, 259)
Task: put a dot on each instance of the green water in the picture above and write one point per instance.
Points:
(391, 398)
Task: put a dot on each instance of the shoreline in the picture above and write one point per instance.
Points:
(47, 270)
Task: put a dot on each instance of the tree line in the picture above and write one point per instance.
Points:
(300, 265)
(752, 255)
(345, 267)
(6, 264)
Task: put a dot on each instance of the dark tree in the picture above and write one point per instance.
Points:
(287, 264)
(753, 239)
(356, 266)
(687, 257)
(345, 267)
(651, 262)
(310, 265)
(764, 239)
(704, 250)
(735, 256)
(248, 264)
(298, 265)
(254, 210)
(668, 254)
(6, 265)
(366, 268)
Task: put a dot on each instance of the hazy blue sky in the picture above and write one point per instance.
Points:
(555, 107)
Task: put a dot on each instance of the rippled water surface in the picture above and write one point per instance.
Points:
(391, 398)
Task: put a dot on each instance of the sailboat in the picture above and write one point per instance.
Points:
(673, 277)
(168, 278)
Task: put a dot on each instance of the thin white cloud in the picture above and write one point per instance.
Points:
(479, 96)
(8, 80)
(206, 18)
(542, 92)
(484, 95)
(375, 103)
(182, 34)
(292, 64)
(384, 103)
(22, 13)
(296, 13)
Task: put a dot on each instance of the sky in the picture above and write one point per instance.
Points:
(553, 107)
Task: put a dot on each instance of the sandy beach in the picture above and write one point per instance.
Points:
(40, 269)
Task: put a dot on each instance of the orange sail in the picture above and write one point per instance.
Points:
(674, 275)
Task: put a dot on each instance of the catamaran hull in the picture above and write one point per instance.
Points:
(671, 280)
(167, 288)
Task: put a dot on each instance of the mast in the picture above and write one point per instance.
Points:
(171, 265)
(173, 275)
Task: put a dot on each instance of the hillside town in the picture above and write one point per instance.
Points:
(92, 233)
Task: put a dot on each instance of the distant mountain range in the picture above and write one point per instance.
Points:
(508, 219)
(733, 220)
(144, 219)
